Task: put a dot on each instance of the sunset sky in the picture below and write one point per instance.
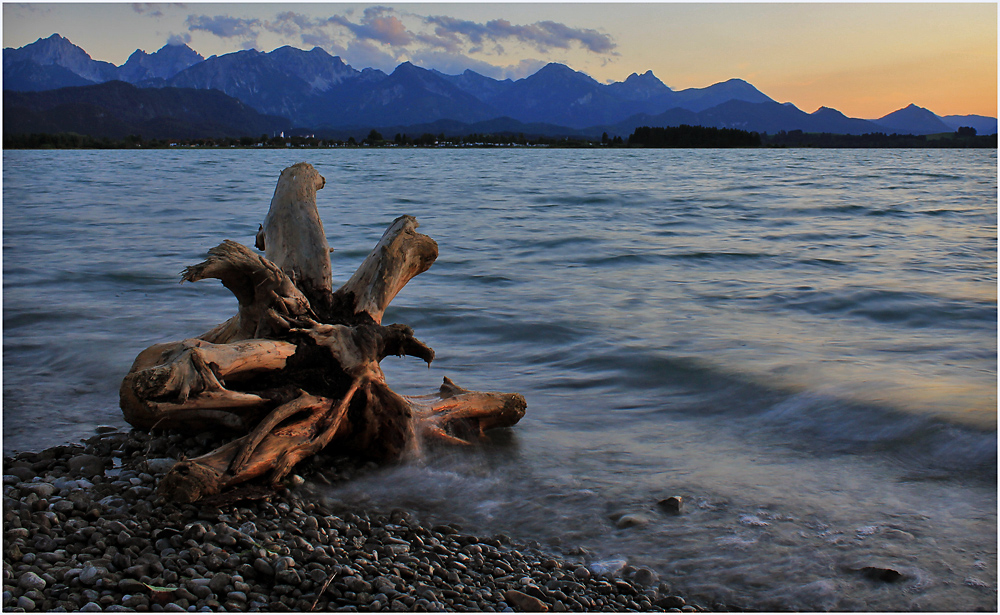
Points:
(865, 60)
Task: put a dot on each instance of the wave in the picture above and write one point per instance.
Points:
(720, 255)
(919, 443)
(899, 308)
(649, 385)
(550, 200)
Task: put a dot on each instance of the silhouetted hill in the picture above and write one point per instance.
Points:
(830, 120)
(410, 95)
(770, 117)
(983, 125)
(700, 99)
(117, 109)
(644, 87)
(30, 76)
(482, 87)
(557, 94)
(913, 120)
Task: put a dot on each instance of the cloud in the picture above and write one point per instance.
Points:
(294, 24)
(542, 35)
(559, 35)
(179, 39)
(155, 9)
(320, 38)
(381, 37)
(377, 25)
(524, 68)
(366, 54)
(152, 10)
(225, 26)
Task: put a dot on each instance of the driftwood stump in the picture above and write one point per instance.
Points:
(297, 368)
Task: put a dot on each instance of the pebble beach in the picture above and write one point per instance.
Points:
(85, 530)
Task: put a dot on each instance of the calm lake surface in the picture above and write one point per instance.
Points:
(802, 344)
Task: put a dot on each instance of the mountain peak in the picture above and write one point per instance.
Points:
(54, 44)
(911, 109)
(646, 77)
(54, 39)
(555, 68)
(408, 68)
(638, 88)
(166, 62)
(299, 84)
(57, 50)
(915, 120)
(827, 111)
(562, 73)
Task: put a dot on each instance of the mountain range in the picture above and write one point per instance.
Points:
(317, 92)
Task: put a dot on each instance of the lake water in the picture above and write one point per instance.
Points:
(802, 344)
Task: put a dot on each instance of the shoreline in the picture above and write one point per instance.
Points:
(84, 530)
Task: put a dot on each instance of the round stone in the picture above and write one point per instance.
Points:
(26, 603)
(87, 465)
(42, 490)
(91, 574)
(29, 581)
(219, 582)
(631, 520)
(645, 576)
(261, 566)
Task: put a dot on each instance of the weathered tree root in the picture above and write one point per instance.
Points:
(297, 369)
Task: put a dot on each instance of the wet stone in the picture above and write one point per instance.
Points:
(670, 602)
(108, 543)
(645, 576)
(672, 505)
(631, 520)
(879, 573)
(87, 465)
(23, 473)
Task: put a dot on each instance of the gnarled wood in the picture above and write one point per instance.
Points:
(292, 234)
(306, 425)
(399, 256)
(268, 297)
(298, 368)
(180, 385)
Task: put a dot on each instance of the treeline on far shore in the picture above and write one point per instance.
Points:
(643, 137)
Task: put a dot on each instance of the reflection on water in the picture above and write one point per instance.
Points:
(802, 344)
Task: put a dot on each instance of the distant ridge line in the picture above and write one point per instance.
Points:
(318, 92)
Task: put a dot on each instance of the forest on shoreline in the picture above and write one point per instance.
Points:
(677, 137)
